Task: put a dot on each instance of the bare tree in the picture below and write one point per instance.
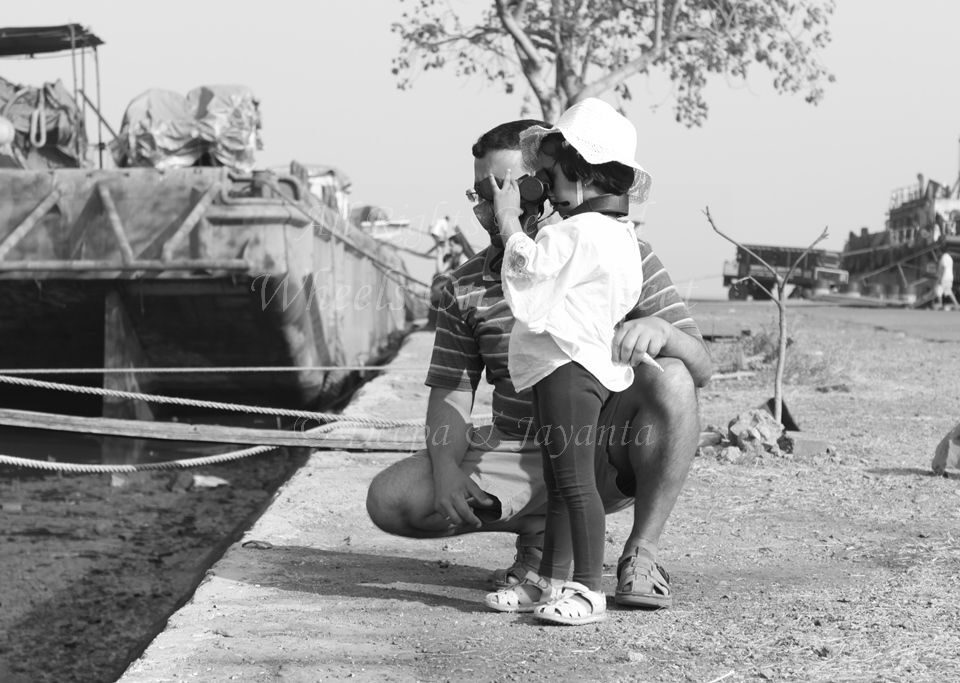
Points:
(780, 299)
(568, 50)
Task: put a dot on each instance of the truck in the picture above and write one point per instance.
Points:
(746, 277)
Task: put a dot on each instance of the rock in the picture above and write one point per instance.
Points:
(947, 452)
(754, 425)
(707, 452)
(786, 419)
(257, 545)
(180, 482)
(207, 481)
(753, 450)
(805, 446)
(730, 454)
(711, 436)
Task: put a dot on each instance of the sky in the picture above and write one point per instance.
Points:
(771, 168)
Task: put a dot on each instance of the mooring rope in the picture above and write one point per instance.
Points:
(388, 270)
(81, 468)
(213, 405)
(332, 422)
(207, 369)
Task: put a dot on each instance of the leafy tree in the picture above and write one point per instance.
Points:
(568, 50)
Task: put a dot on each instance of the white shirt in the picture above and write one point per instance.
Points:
(567, 291)
(441, 230)
(945, 270)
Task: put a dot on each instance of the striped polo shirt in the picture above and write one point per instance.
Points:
(474, 323)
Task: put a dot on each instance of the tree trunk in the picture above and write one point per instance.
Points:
(781, 357)
(552, 107)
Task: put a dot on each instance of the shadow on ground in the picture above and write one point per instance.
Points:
(358, 575)
(912, 471)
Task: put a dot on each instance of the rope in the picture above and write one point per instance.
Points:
(400, 247)
(214, 405)
(188, 370)
(38, 125)
(386, 268)
(79, 468)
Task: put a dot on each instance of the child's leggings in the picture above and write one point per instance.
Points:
(567, 406)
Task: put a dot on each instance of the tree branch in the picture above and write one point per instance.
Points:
(616, 76)
(823, 236)
(751, 278)
(472, 36)
(658, 27)
(531, 61)
(766, 265)
(519, 37)
(672, 22)
(587, 56)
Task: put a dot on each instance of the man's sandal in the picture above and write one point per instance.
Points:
(525, 596)
(641, 582)
(526, 560)
(575, 604)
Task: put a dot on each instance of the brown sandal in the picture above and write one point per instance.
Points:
(641, 582)
(526, 560)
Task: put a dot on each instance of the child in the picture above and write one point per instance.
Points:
(568, 290)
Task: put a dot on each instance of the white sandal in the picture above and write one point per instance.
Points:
(574, 604)
(520, 597)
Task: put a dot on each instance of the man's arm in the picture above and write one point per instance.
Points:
(660, 324)
(657, 337)
(447, 434)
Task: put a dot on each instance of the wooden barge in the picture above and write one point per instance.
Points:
(182, 270)
(194, 268)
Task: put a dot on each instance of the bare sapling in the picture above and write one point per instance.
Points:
(779, 298)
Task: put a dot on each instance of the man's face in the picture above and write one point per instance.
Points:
(497, 162)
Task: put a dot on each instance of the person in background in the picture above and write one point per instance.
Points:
(944, 286)
(451, 254)
(446, 259)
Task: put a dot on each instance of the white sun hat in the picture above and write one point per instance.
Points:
(600, 134)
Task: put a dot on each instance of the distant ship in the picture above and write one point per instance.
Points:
(899, 263)
(896, 266)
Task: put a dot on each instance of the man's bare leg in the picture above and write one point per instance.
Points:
(660, 454)
(400, 502)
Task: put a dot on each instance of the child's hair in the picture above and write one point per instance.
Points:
(611, 176)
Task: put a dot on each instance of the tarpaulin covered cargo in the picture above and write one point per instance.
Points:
(49, 129)
(211, 126)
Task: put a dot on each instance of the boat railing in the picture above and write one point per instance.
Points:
(902, 195)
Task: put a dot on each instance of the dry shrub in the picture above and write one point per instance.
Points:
(758, 352)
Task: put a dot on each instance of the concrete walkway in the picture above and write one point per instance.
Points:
(326, 595)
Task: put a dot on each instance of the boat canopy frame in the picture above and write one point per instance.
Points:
(29, 41)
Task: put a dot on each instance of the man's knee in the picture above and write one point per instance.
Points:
(386, 500)
(666, 393)
(393, 496)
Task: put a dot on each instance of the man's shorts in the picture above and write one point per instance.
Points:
(512, 470)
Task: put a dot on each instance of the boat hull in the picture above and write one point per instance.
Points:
(195, 269)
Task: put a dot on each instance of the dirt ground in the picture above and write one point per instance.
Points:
(92, 565)
(842, 565)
